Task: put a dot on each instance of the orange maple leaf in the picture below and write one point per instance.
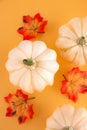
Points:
(32, 26)
(20, 106)
(74, 83)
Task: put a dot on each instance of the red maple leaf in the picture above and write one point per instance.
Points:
(32, 26)
(19, 105)
(74, 83)
(8, 98)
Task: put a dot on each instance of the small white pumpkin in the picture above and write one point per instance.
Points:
(32, 66)
(72, 41)
(67, 117)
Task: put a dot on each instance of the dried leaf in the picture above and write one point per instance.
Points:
(32, 26)
(74, 83)
(19, 105)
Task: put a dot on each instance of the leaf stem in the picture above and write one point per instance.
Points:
(23, 101)
(64, 77)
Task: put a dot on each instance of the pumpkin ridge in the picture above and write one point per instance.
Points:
(30, 90)
(22, 51)
(84, 54)
(75, 57)
(32, 82)
(46, 69)
(81, 118)
(62, 115)
(67, 31)
(32, 78)
(65, 49)
(18, 65)
(39, 54)
(41, 76)
(68, 38)
(78, 122)
(21, 77)
(71, 28)
(73, 24)
(35, 42)
(14, 54)
(66, 52)
(18, 79)
(16, 69)
(42, 54)
(56, 120)
(73, 116)
(68, 124)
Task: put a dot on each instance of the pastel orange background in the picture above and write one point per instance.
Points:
(57, 12)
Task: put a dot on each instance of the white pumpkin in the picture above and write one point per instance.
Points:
(67, 117)
(72, 41)
(32, 66)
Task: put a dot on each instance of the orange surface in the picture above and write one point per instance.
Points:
(57, 13)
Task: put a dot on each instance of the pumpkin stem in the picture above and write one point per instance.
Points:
(28, 62)
(68, 128)
(82, 41)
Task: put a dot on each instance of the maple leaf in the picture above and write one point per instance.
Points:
(19, 105)
(8, 98)
(74, 83)
(32, 26)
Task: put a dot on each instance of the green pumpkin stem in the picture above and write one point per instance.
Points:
(82, 41)
(28, 62)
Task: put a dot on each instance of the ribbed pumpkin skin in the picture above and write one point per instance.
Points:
(67, 117)
(32, 66)
(72, 41)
